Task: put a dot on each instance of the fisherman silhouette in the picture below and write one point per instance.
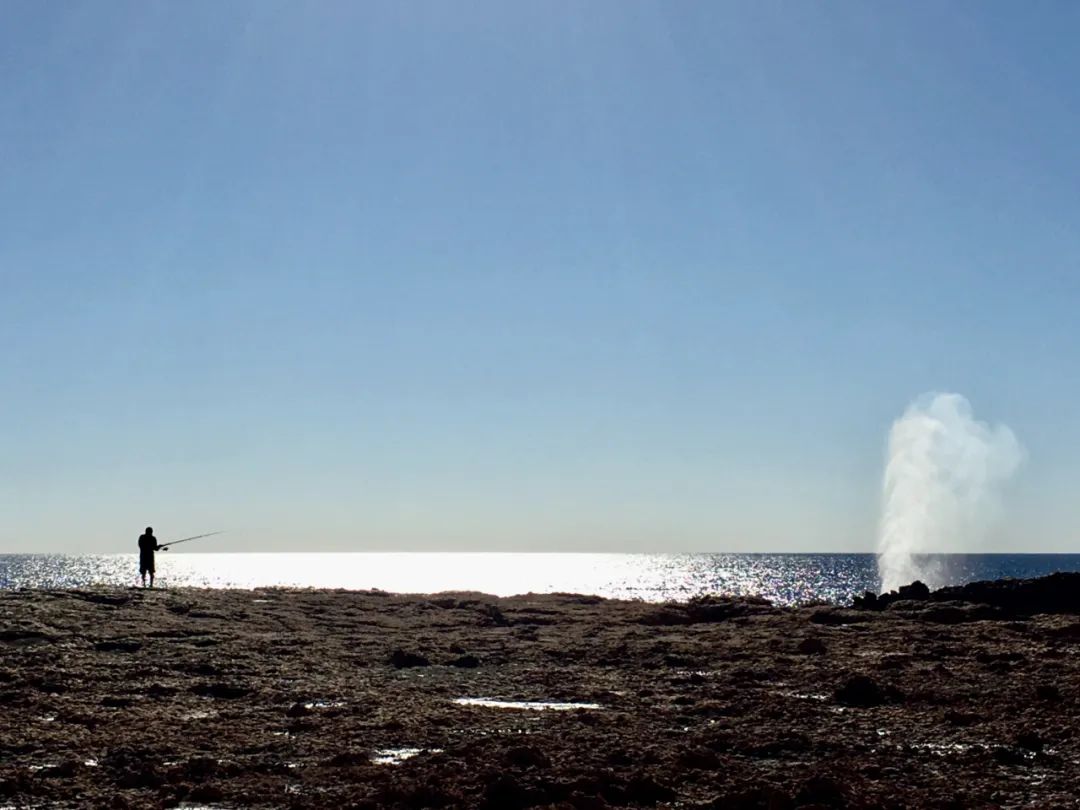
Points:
(148, 544)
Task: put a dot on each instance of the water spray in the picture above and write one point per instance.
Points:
(942, 479)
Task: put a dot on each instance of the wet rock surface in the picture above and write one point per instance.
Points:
(275, 698)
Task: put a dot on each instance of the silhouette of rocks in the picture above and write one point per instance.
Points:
(1056, 593)
(812, 646)
(916, 591)
(466, 662)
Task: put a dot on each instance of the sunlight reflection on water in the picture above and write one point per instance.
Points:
(782, 578)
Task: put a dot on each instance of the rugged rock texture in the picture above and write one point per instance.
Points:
(1057, 593)
(276, 698)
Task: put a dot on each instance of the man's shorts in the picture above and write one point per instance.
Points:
(146, 563)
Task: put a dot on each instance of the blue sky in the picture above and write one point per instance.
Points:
(484, 275)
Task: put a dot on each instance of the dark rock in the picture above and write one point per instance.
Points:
(158, 690)
(116, 702)
(505, 792)
(1011, 657)
(775, 746)
(868, 601)
(143, 776)
(297, 710)
(760, 798)
(961, 719)
(665, 617)
(955, 614)
(118, 645)
(493, 615)
(702, 759)
(821, 791)
(221, 691)
(1007, 755)
(18, 635)
(835, 617)
(706, 609)
(1030, 741)
(347, 759)
(525, 756)
(895, 661)
(1069, 632)
(646, 790)
(65, 770)
(1048, 692)
(404, 660)
(48, 686)
(110, 599)
(812, 646)
(201, 768)
(864, 691)
(466, 662)
(14, 785)
(717, 609)
(206, 793)
(203, 668)
(1009, 598)
(917, 591)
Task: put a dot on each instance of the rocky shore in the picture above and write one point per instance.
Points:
(968, 697)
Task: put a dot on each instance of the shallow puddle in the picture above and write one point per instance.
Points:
(526, 705)
(395, 756)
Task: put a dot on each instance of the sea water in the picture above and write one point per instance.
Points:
(783, 578)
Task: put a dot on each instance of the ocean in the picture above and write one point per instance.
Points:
(783, 578)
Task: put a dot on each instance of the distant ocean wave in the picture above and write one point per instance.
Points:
(783, 578)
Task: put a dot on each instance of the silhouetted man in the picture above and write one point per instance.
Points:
(148, 544)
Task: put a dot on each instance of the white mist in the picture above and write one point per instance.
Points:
(943, 479)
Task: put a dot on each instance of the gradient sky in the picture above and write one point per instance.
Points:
(488, 275)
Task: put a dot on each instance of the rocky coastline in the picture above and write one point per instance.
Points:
(962, 697)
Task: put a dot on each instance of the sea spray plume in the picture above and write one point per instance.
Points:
(942, 479)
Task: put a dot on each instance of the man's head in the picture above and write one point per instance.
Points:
(149, 530)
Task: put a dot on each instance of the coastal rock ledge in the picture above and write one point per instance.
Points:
(124, 698)
(1056, 593)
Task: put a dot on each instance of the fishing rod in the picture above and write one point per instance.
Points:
(187, 539)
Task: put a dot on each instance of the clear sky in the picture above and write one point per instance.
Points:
(490, 275)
